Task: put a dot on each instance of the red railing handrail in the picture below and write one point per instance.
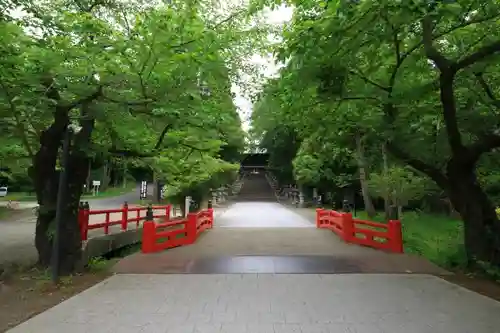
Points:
(192, 226)
(349, 229)
(370, 223)
(85, 213)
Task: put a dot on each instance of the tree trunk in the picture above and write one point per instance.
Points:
(481, 224)
(387, 203)
(363, 176)
(46, 180)
(106, 176)
(88, 182)
(125, 176)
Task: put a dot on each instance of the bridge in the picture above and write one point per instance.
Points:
(257, 265)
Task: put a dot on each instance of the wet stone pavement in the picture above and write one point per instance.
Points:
(271, 303)
(264, 268)
(261, 215)
(264, 237)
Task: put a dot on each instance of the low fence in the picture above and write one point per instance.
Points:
(120, 216)
(165, 235)
(384, 236)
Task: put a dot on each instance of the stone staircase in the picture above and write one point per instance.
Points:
(256, 187)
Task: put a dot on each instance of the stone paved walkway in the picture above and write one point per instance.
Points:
(271, 303)
(261, 215)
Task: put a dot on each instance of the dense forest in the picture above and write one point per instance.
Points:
(399, 98)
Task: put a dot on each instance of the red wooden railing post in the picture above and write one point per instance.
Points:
(125, 216)
(192, 220)
(395, 236)
(167, 213)
(211, 215)
(148, 237)
(106, 223)
(318, 217)
(347, 227)
(85, 221)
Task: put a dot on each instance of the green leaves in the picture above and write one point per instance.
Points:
(399, 185)
(362, 68)
(150, 62)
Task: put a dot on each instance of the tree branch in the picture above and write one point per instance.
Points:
(131, 153)
(481, 54)
(434, 173)
(369, 81)
(129, 103)
(162, 136)
(85, 100)
(463, 24)
(447, 93)
(395, 38)
(487, 89)
(448, 103)
(485, 144)
(428, 41)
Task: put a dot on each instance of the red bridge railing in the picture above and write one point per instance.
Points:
(384, 236)
(161, 236)
(120, 216)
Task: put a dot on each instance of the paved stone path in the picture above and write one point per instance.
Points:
(261, 215)
(277, 303)
(271, 303)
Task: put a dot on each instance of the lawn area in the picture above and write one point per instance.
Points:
(435, 237)
(110, 192)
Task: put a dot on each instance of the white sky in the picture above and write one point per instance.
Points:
(243, 103)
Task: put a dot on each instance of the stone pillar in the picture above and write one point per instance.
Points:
(301, 199)
(187, 203)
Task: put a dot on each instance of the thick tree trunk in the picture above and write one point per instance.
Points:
(363, 178)
(481, 224)
(46, 179)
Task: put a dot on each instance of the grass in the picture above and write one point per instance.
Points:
(4, 211)
(19, 196)
(436, 237)
(109, 193)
